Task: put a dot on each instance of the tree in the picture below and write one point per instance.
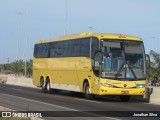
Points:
(154, 70)
(29, 67)
(18, 67)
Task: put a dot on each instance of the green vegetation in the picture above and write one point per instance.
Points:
(3, 79)
(154, 70)
(17, 67)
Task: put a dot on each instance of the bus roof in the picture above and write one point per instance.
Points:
(98, 35)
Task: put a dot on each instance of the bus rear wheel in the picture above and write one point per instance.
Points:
(87, 93)
(125, 98)
(43, 85)
(48, 87)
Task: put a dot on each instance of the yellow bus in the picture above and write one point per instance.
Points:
(91, 63)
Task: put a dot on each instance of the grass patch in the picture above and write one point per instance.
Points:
(3, 79)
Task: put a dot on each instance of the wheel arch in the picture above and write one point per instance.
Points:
(48, 79)
(41, 80)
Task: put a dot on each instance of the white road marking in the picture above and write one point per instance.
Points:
(17, 89)
(87, 100)
(40, 102)
(59, 106)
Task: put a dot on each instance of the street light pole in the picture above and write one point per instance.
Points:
(17, 40)
(65, 20)
(18, 30)
(152, 41)
(2, 69)
(91, 28)
(26, 45)
(25, 61)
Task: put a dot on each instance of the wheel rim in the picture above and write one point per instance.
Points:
(88, 94)
(87, 90)
(48, 86)
(43, 86)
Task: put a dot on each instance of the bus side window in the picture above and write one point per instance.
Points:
(95, 47)
(94, 55)
(96, 64)
(41, 50)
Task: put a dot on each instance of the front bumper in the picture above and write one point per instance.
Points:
(120, 91)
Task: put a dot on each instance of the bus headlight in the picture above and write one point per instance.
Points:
(106, 85)
(140, 85)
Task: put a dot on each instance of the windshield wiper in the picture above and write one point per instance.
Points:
(119, 71)
(132, 71)
(122, 68)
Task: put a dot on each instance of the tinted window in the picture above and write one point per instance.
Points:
(41, 50)
(70, 48)
(95, 46)
(75, 48)
(85, 47)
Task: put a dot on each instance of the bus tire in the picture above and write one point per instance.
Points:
(43, 85)
(125, 98)
(48, 87)
(87, 91)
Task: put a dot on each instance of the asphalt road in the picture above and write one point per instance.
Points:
(65, 105)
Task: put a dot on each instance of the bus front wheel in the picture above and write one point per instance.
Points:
(87, 93)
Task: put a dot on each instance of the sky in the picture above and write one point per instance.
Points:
(24, 22)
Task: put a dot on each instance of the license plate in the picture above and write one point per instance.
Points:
(124, 92)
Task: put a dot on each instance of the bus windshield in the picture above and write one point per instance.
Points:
(123, 60)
